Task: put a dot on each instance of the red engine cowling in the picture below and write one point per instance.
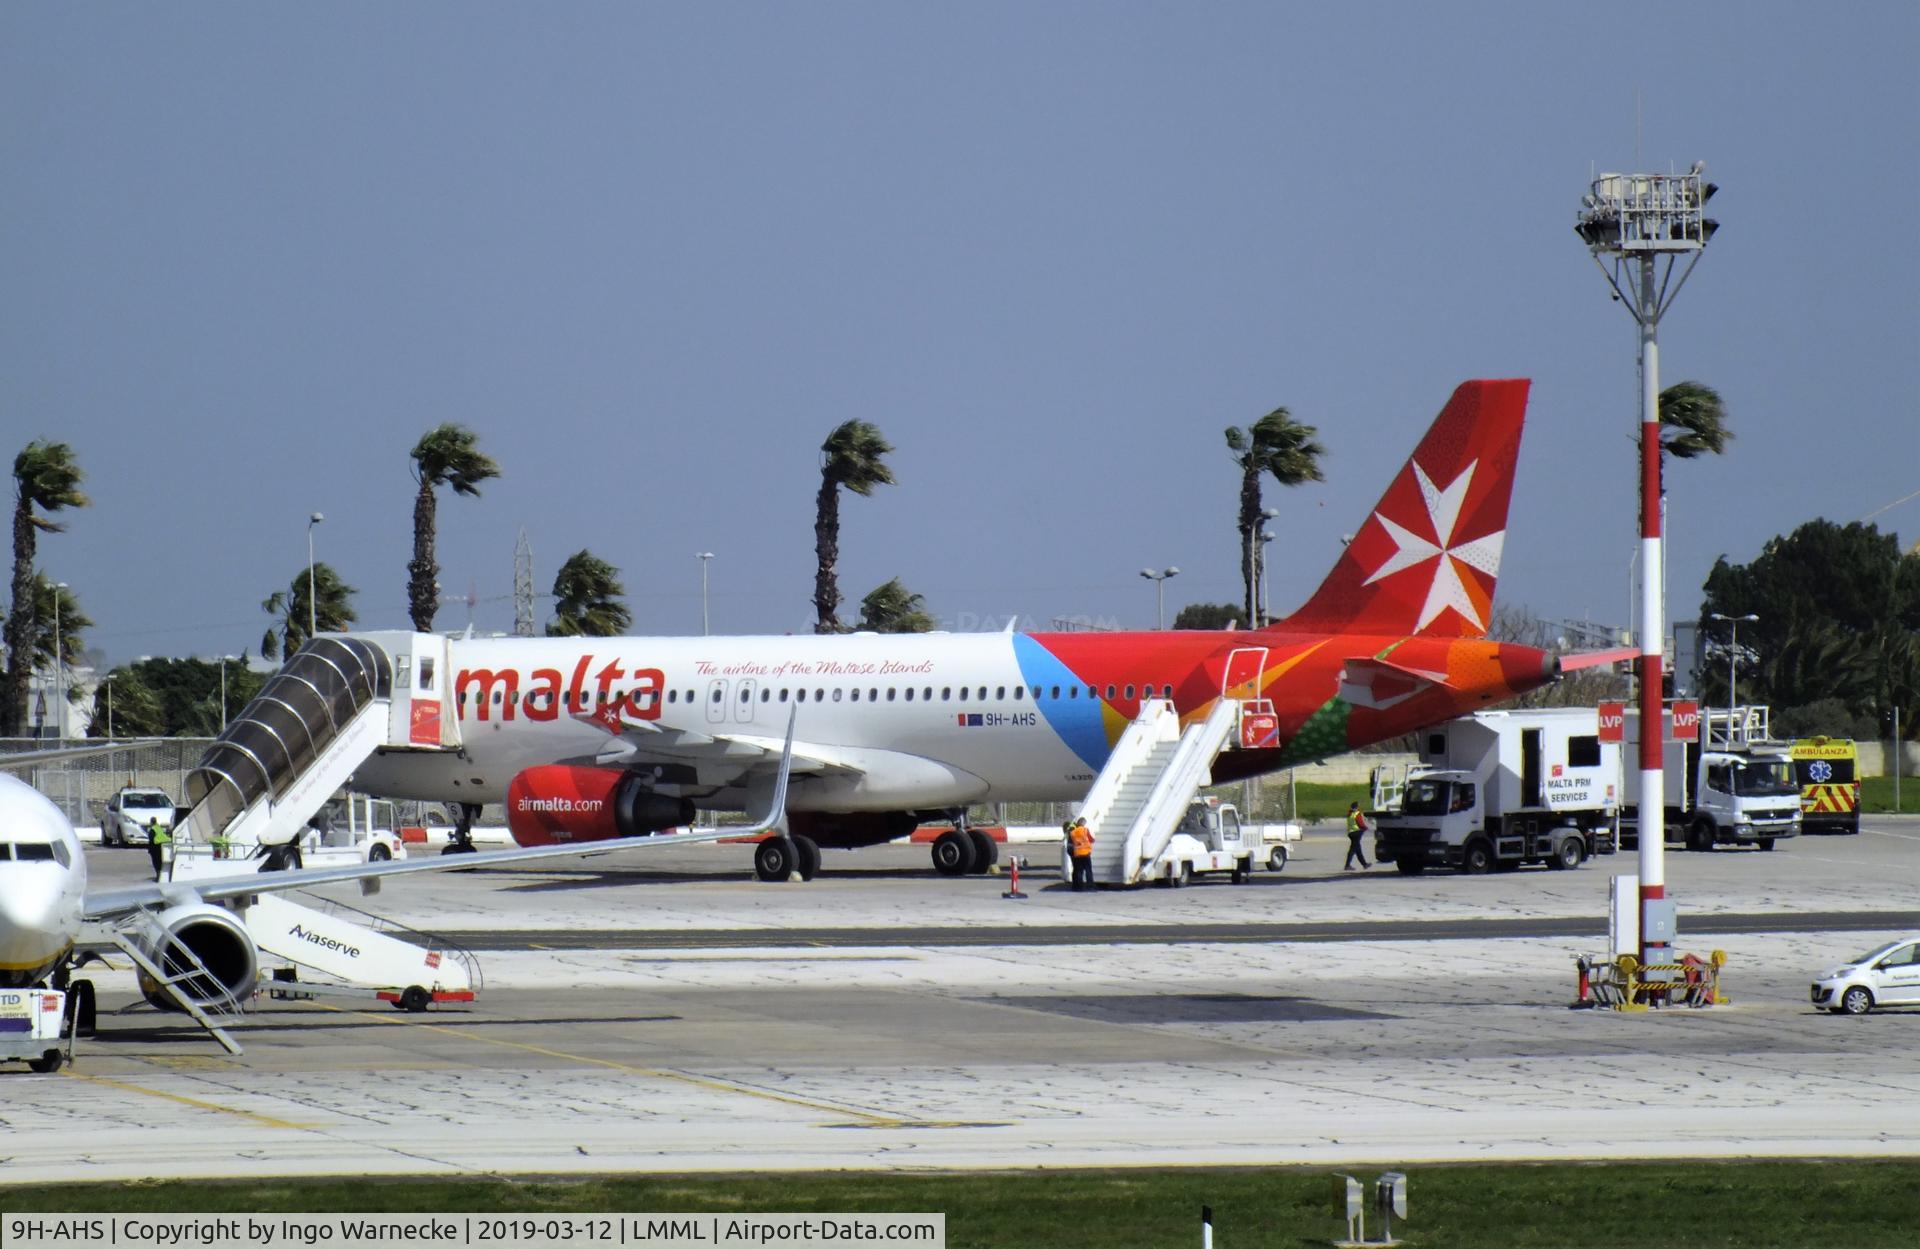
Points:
(557, 803)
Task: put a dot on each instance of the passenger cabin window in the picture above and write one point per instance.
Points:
(783, 694)
(963, 693)
(1110, 691)
(1019, 692)
(836, 695)
(800, 696)
(1073, 691)
(909, 693)
(1583, 752)
(946, 693)
(890, 693)
(1129, 691)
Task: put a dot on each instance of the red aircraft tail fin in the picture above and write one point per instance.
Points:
(1427, 557)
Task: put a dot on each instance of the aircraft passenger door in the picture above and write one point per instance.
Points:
(716, 701)
(1241, 680)
(743, 700)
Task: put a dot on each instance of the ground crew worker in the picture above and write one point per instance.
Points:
(159, 846)
(1356, 829)
(221, 844)
(1080, 850)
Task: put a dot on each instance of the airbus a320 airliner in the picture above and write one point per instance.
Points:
(586, 738)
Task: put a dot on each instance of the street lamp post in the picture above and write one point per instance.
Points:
(313, 606)
(1257, 557)
(224, 661)
(1159, 580)
(59, 667)
(1733, 624)
(1266, 582)
(705, 558)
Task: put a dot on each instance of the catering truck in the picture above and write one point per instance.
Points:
(1827, 769)
(1726, 782)
(1501, 789)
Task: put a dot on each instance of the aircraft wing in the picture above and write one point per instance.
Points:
(24, 758)
(110, 903)
(644, 741)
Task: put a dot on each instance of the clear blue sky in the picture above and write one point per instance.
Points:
(654, 253)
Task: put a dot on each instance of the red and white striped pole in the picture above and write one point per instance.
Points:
(1653, 631)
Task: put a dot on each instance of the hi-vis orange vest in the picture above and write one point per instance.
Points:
(1080, 841)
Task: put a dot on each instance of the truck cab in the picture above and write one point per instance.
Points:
(1742, 798)
(1210, 839)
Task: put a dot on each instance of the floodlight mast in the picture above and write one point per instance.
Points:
(1631, 223)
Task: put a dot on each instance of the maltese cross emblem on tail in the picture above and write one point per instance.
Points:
(1448, 588)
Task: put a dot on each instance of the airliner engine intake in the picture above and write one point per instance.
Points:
(206, 951)
(558, 803)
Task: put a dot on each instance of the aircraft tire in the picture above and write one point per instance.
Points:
(773, 859)
(953, 854)
(986, 852)
(806, 853)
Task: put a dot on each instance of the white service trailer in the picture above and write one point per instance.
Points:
(1506, 788)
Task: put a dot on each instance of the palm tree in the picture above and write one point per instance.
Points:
(63, 628)
(1278, 445)
(332, 611)
(47, 480)
(850, 457)
(1693, 421)
(892, 608)
(587, 594)
(125, 703)
(443, 456)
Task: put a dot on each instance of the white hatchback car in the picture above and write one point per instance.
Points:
(1887, 975)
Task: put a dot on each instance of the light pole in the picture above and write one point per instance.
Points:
(1258, 556)
(1266, 582)
(1159, 580)
(224, 661)
(313, 607)
(59, 667)
(705, 558)
(1631, 223)
(1733, 624)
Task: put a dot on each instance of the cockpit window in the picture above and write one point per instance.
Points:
(33, 851)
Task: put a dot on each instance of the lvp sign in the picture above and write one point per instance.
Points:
(1683, 715)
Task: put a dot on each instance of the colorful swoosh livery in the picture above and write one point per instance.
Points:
(599, 737)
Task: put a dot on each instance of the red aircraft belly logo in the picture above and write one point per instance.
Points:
(1448, 588)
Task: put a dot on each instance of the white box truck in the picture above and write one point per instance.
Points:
(1735, 787)
(1501, 789)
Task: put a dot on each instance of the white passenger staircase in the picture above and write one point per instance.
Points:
(1150, 779)
(356, 948)
(336, 702)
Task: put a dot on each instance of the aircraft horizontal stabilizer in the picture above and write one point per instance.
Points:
(1378, 683)
(1597, 659)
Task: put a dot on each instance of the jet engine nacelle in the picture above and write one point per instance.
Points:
(210, 947)
(558, 803)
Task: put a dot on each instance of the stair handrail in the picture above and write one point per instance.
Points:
(1155, 723)
(1172, 793)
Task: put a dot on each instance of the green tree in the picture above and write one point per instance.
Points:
(46, 480)
(587, 599)
(1207, 616)
(892, 608)
(126, 704)
(1276, 445)
(853, 456)
(1839, 618)
(332, 611)
(444, 456)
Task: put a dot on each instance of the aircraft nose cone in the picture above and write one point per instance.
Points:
(30, 934)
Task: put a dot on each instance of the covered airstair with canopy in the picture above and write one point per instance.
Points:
(336, 702)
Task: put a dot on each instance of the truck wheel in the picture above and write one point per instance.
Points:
(1566, 855)
(1478, 859)
(1410, 867)
(1700, 836)
(1277, 859)
(379, 854)
(1239, 871)
(1766, 843)
(414, 999)
(47, 1063)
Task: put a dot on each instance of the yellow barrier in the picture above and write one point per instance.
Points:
(1625, 984)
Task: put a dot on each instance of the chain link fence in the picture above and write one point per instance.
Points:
(81, 786)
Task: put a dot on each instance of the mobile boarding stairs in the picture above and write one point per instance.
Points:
(1141, 797)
